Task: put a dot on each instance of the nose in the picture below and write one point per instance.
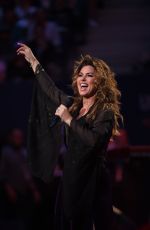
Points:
(83, 77)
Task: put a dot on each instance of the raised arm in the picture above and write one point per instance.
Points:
(46, 83)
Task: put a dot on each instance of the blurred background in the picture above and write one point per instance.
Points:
(58, 32)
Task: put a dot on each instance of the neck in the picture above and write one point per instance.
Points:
(88, 102)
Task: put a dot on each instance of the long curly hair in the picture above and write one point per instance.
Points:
(107, 96)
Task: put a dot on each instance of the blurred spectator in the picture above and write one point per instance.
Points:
(23, 8)
(120, 141)
(43, 48)
(3, 68)
(48, 27)
(19, 192)
(118, 147)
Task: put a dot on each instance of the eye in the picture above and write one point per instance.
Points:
(90, 75)
(80, 75)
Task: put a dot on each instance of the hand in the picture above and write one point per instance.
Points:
(64, 114)
(28, 55)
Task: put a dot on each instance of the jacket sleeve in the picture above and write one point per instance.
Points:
(98, 132)
(49, 87)
(43, 139)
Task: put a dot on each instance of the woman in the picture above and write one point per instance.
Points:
(90, 121)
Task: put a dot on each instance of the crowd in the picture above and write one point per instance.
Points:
(53, 29)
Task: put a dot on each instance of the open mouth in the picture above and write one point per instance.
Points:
(83, 85)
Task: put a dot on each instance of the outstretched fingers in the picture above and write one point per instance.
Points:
(27, 53)
(20, 51)
(21, 44)
(23, 49)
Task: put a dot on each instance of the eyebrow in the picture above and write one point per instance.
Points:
(86, 73)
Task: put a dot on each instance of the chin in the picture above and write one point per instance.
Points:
(87, 95)
(83, 94)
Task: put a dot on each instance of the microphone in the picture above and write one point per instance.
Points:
(67, 102)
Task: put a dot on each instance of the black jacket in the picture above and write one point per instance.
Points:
(86, 148)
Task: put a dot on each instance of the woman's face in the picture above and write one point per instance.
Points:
(86, 81)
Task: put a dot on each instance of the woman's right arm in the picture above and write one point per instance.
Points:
(46, 83)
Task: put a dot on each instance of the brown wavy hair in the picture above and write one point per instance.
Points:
(107, 96)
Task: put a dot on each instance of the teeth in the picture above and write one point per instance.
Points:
(84, 84)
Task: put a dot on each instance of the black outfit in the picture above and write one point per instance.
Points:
(86, 180)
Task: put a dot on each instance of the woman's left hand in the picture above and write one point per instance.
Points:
(63, 113)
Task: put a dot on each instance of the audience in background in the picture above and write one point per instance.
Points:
(63, 26)
(19, 193)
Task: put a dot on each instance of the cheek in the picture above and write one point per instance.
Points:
(93, 83)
